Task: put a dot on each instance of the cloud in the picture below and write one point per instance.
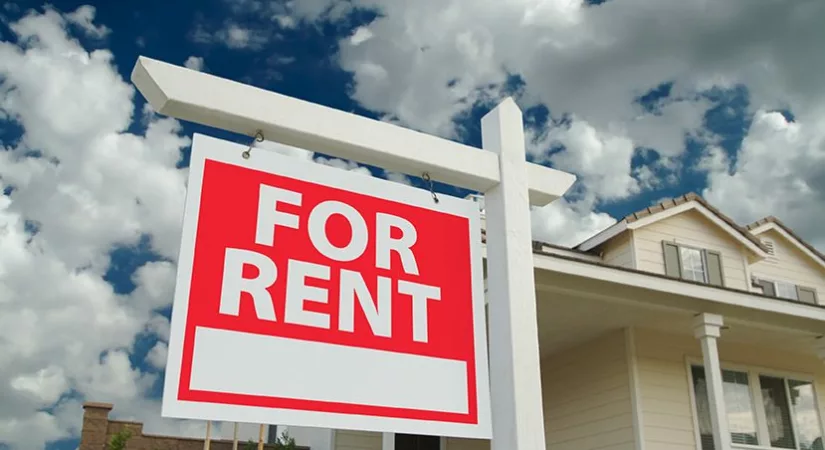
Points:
(426, 64)
(603, 158)
(194, 63)
(232, 35)
(779, 170)
(80, 185)
(567, 223)
(74, 187)
(157, 355)
(83, 17)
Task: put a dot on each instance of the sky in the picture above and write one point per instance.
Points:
(641, 100)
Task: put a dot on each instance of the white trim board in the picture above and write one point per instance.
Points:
(635, 387)
(603, 236)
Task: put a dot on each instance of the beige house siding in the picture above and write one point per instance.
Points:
(690, 228)
(618, 251)
(789, 265)
(664, 390)
(357, 440)
(467, 444)
(664, 383)
(586, 394)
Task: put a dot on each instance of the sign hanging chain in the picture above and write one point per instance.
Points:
(426, 177)
(259, 137)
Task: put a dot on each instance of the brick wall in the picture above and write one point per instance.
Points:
(98, 431)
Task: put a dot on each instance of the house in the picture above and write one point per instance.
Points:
(655, 328)
(674, 329)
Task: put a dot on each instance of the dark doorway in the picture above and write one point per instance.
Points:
(416, 442)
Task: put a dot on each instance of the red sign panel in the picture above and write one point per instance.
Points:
(309, 295)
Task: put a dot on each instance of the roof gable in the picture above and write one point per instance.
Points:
(772, 223)
(671, 207)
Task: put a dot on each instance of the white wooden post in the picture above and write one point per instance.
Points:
(819, 347)
(515, 378)
(707, 328)
(509, 182)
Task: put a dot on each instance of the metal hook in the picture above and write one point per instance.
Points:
(426, 177)
(259, 137)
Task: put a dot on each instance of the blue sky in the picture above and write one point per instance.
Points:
(642, 101)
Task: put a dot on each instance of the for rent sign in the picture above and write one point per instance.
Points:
(308, 295)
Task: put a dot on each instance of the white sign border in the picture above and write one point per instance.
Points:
(206, 147)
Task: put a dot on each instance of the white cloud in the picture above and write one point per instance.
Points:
(94, 186)
(426, 62)
(567, 224)
(194, 63)
(398, 178)
(780, 171)
(157, 355)
(602, 158)
(236, 36)
(83, 17)
(232, 35)
(65, 335)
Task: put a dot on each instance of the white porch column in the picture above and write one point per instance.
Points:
(819, 346)
(387, 441)
(707, 328)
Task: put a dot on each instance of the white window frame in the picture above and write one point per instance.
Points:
(795, 287)
(705, 275)
(754, 372)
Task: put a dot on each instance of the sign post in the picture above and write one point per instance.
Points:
(509, 182)
(518, 418)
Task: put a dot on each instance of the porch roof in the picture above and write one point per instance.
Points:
(579, 299)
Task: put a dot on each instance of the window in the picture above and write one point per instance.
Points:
(786, 290)
(693, 265)
(416, 442)
(688, 263)
(788, 418)
(790, 291)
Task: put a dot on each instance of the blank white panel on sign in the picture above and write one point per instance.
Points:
(308, 370)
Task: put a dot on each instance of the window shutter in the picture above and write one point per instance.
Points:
(714, 263)
(673, 265)
(767, 288)
(806, 295)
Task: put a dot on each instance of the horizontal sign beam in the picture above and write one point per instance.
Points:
(213, 101)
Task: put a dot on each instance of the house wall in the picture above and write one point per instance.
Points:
(619, 251)
(664, 382)
(690, 228)
(357, 440)
(587, 403)
(790, 265)
(586, 394)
